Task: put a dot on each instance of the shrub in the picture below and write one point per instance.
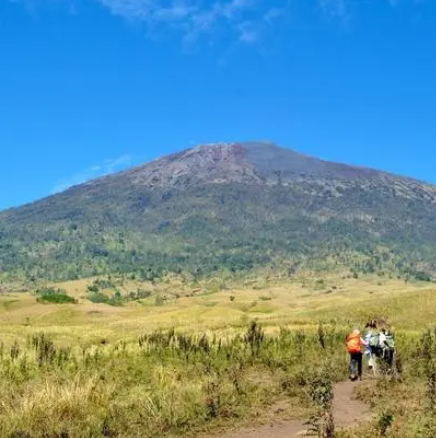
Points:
(101, 298)
(98, 297)
(100, 284)
(423, 276)
(319, 284)
(104, 283)
(56, 296)
(265, 298)
(159, 300)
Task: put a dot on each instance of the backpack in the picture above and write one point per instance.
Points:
(389, 341)
(374, 340)
(353, 344)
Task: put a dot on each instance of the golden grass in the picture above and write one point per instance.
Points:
(201, 307)
(107, 386)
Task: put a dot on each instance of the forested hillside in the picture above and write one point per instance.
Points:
(225, 206)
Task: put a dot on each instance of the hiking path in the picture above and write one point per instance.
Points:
(348, 412)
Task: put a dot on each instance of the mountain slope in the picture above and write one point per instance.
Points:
(233, 205)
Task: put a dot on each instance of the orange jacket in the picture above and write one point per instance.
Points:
(354, 343)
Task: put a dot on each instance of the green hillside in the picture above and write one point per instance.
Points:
(225, 206)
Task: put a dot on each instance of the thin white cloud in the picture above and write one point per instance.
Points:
(335, 8)
(149, 10)
(104, 168)
(274, 13)
(175, 10)
(231, 9)
(341, 9)
(249, 33)
(236, 21)
(196, 18)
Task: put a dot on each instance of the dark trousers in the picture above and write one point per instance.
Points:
(356, 362)
(388, 356)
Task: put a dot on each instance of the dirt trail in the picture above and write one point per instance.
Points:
(347, 412)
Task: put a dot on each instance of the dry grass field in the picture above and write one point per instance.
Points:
(94, 370)
(302, 302)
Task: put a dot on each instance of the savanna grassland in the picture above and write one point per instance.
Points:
(179, 357)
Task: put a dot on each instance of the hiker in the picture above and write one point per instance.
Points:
(369, 353)
(375, 346)
(387, 346)
(355, 344)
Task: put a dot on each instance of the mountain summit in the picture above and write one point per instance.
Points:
(245, 162)
(224, 206)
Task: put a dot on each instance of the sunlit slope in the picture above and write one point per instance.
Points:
(301, 303)
(234, 207)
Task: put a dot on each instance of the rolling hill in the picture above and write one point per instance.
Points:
(232, 206)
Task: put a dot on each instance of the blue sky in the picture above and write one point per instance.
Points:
(93, 86)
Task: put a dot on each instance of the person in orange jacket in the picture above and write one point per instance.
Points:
(355, 344)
